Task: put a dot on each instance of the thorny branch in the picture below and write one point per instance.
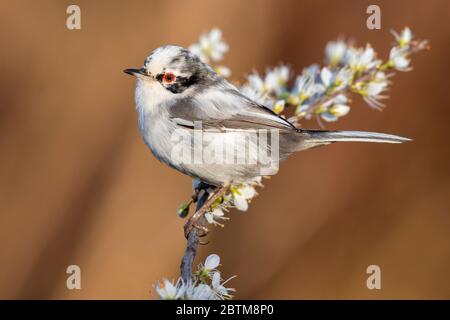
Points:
(318, 92)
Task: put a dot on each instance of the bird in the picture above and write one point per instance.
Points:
(177, 95)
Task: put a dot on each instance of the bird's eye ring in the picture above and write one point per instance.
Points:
(168, 78)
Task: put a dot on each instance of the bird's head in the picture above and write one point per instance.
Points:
(176, 69)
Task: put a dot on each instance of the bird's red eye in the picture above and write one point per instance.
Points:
(168, 77)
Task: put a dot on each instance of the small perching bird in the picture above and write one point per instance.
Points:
(177, 94)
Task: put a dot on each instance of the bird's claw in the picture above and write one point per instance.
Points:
(196, 221)
(202, 231)
(195, 195)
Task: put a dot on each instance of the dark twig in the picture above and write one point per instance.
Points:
(193, 237)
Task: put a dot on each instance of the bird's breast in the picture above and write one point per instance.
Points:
(156, 131)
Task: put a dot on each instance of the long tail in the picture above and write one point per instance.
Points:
(312, 138)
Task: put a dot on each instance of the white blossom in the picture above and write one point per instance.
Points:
(361, 60)
(398, 58)
(241, 195)
(334, 108)
(327, 77)
(335, 80)
(372, 90)
(378, 84)
(223, 71)
(206, 284)
(404, 38)
(277, 78)
(278, 107)
(343, 78)
(209, 267)
(210, 47)
(256, 95)
(220, 292)
(375, 88)
(212, 261)
(214, 216)
(256, 82)
(302, 111)
(335, 52)
(274, 81)
(199, 292)
(305, 88)
(167, 290)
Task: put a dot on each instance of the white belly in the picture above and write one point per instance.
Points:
(217, 158)
(160, 135)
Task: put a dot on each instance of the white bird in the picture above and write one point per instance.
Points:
(177, 95)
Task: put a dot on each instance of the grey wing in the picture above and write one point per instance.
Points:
(225, 110)
(232, 122)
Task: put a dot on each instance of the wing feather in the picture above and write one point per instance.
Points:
(226, 110)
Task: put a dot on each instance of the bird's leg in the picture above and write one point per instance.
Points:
(198, 187)
(194, 220)
(195, 194)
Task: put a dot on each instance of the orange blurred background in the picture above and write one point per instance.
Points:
(78, 185)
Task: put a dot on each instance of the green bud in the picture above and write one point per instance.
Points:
(183, 210)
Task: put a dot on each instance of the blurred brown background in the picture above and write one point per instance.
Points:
(78, 185)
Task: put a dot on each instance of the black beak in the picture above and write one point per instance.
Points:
(134, 72)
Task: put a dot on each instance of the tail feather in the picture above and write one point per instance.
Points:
(312, 138)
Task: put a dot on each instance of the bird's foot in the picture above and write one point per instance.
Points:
(195, 222)
(195, 226)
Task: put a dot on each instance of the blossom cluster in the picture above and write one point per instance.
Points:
(211, 48)
(207, 284)
(318, 92)
(324, 92)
